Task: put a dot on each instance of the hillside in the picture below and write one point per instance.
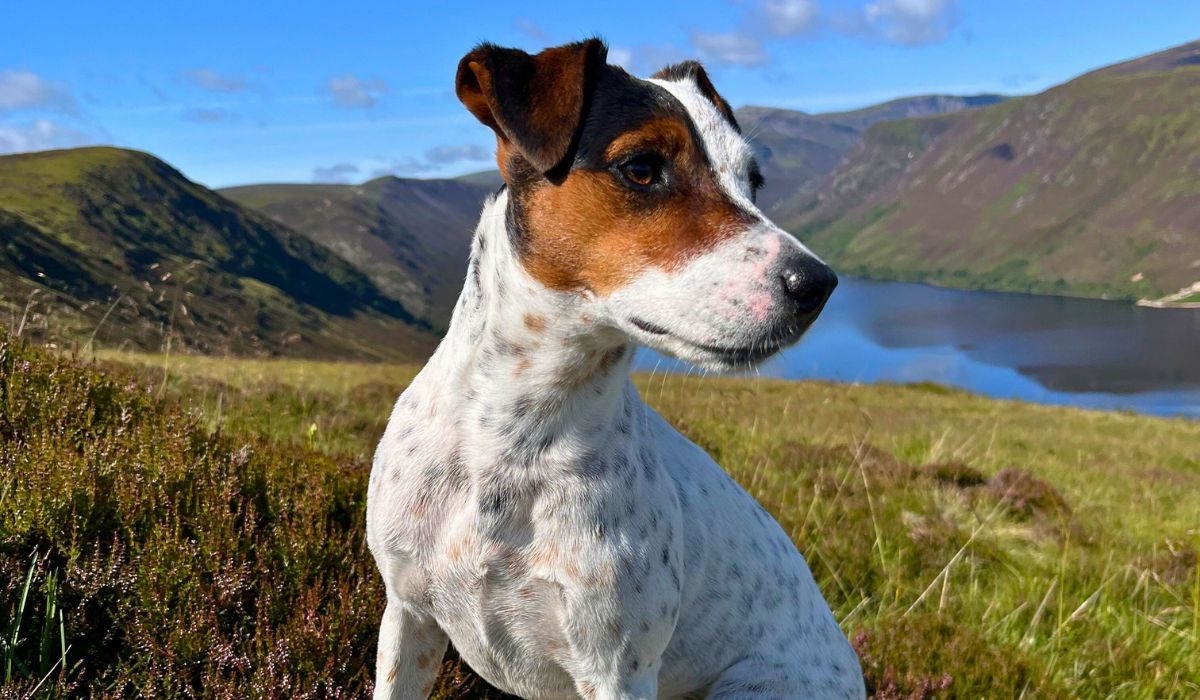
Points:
(409, 236)
(797, 150)
(117, 246)
(1091, 188)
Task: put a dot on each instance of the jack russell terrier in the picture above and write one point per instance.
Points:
(525, 503)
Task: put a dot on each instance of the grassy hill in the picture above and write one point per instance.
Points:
(193, 526)
(117, 247)
(410, 237)
(1091, 188)
(797, 150)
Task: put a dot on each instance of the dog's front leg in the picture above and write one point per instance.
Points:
(641, 686)
(411, 646)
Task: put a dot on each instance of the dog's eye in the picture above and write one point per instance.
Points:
(756, 183)
(642, 171)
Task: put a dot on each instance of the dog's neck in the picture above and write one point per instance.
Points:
(526, 372)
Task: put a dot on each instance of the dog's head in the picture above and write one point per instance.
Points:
(638, 195)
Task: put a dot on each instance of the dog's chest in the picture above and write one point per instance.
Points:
(508, 557)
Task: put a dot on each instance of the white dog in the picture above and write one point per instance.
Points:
(524, 502)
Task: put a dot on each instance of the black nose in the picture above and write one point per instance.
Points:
(808, 282)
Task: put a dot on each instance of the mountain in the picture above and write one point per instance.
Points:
(490, 179)
(796, 151)
(1090, 188)
(410, 237)
(119, 246)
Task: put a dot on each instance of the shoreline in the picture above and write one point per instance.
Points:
(1161, 303)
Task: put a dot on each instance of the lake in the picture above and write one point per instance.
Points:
(1052, 350)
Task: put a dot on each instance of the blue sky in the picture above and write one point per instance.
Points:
(244, 92)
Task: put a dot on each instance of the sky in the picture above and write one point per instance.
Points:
(236, 93)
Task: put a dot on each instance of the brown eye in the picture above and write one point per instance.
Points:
(642, 171)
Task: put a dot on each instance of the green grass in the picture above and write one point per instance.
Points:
(198, 522)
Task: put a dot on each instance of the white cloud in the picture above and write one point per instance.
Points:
(22, 89)
(733, 48)
(39, 135)
(532, 30)
(445, 155)
(761, 21)
(212, 81)
(788, 17)
(621, 56)
(339, 173)
(349, 91)
(645, 59)
(435, 159)
(205, 115)
(911, 22)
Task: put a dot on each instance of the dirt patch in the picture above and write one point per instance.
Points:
(903, 658)
(1027, 497)
(959, 474)
(1174, 564)
(830, 462)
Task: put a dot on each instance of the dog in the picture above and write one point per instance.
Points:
(524, 502)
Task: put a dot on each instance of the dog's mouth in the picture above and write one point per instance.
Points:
(718, 357)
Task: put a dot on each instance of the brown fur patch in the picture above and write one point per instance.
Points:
(593, 232)
(545, 556)
(425, 659)
(391, 676)
(535, 323)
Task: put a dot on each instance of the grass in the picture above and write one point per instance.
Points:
(194, 526)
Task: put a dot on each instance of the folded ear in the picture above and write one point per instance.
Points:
(691, 70)
(534, 103)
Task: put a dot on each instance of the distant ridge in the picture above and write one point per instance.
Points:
(1091, 188)
(409, 236)
(796, 151)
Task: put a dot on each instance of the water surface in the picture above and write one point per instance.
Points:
(1079, 352)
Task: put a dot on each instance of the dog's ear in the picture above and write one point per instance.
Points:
(534, 103)
(691, 70)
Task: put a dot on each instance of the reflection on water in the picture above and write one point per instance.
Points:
(1079, 352)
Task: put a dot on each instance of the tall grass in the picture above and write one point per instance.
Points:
(203, 527)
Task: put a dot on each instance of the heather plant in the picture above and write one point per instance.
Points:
(142, 554)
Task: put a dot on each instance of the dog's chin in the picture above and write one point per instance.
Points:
(717, 357)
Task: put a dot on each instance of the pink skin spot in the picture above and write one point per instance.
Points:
(747, 286)
(760, 306)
